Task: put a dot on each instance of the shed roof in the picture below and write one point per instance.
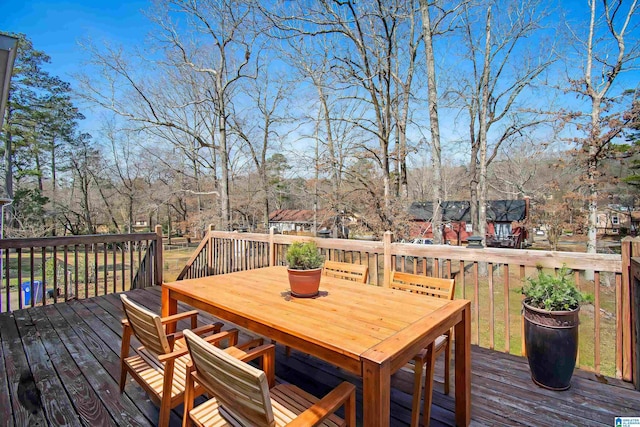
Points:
(297, 215)
(456, 211)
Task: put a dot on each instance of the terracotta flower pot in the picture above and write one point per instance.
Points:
(304, 283)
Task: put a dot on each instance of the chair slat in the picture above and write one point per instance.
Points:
(344, 270)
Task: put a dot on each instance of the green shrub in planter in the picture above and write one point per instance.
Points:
(304, 256)
(554, 292)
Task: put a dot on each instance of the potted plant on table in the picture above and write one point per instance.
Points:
(305, 268)
(550, 308)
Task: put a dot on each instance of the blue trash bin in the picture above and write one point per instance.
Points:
(28, 291)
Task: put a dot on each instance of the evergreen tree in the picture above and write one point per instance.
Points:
(40, 118)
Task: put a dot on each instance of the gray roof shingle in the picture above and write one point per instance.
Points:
(497, 211)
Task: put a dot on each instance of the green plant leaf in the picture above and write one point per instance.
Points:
(304, 256)
(553, 292)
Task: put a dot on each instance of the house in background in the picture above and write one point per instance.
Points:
(505, 222)
(617, 219)
(292, 220)
(307, 222)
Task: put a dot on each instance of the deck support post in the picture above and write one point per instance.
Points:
(272, 247)
(210, 257)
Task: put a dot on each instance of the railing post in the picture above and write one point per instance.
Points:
(159, 265)
(634, 278)
(624, 327)
(210, 258)
(386, 244)
(272, 247)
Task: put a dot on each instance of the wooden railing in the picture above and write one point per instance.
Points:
(490, 277)
(40, 271)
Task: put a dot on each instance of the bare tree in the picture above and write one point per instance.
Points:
(335, 138)
(606, 56)
(258, 126)
(210, 42)
(370, 40)
(503, 63)
(429, 31)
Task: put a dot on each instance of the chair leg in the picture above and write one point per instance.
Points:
(123, 375)
(447, 365)
(428, 385)
(417, 392)
(124, 352)
(287, 351)
(188, 397)
(165, 402)
(165, 412)
(350, 411)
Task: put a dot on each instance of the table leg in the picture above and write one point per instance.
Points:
(463, 368)
(376, 392)
(169, 307)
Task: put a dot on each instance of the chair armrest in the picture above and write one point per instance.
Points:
(341, 395)
(231, 334)
(215, 328)
(179, 316)
(250, 344)
(254, 353)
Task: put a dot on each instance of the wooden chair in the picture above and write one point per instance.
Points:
(344, 270)
(243, 395)
(160, 366)
(439, 288)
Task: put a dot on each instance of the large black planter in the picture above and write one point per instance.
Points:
(551, 342)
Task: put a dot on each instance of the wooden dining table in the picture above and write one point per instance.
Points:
(368, 330)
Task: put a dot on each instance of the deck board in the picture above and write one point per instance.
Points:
(72, 352)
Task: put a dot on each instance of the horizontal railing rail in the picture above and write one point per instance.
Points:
(40, 271)
(490, 277)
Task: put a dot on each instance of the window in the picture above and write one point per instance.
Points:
(503, 230)
(615, 220)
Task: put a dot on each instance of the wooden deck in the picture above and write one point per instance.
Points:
(70, 352)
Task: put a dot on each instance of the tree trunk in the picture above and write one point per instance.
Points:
(482, 137)
(225, 205)
(54, 184)
(333, 172)
(265, 200)
(592, 165)
(436, 153)
(8, 164)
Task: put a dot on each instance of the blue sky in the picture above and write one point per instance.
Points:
(56, 27)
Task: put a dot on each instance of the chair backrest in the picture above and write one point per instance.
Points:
(344, 270)
(147, 327)
(241, 390)
(433, 286)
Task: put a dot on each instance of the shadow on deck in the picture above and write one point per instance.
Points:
(68, 354)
